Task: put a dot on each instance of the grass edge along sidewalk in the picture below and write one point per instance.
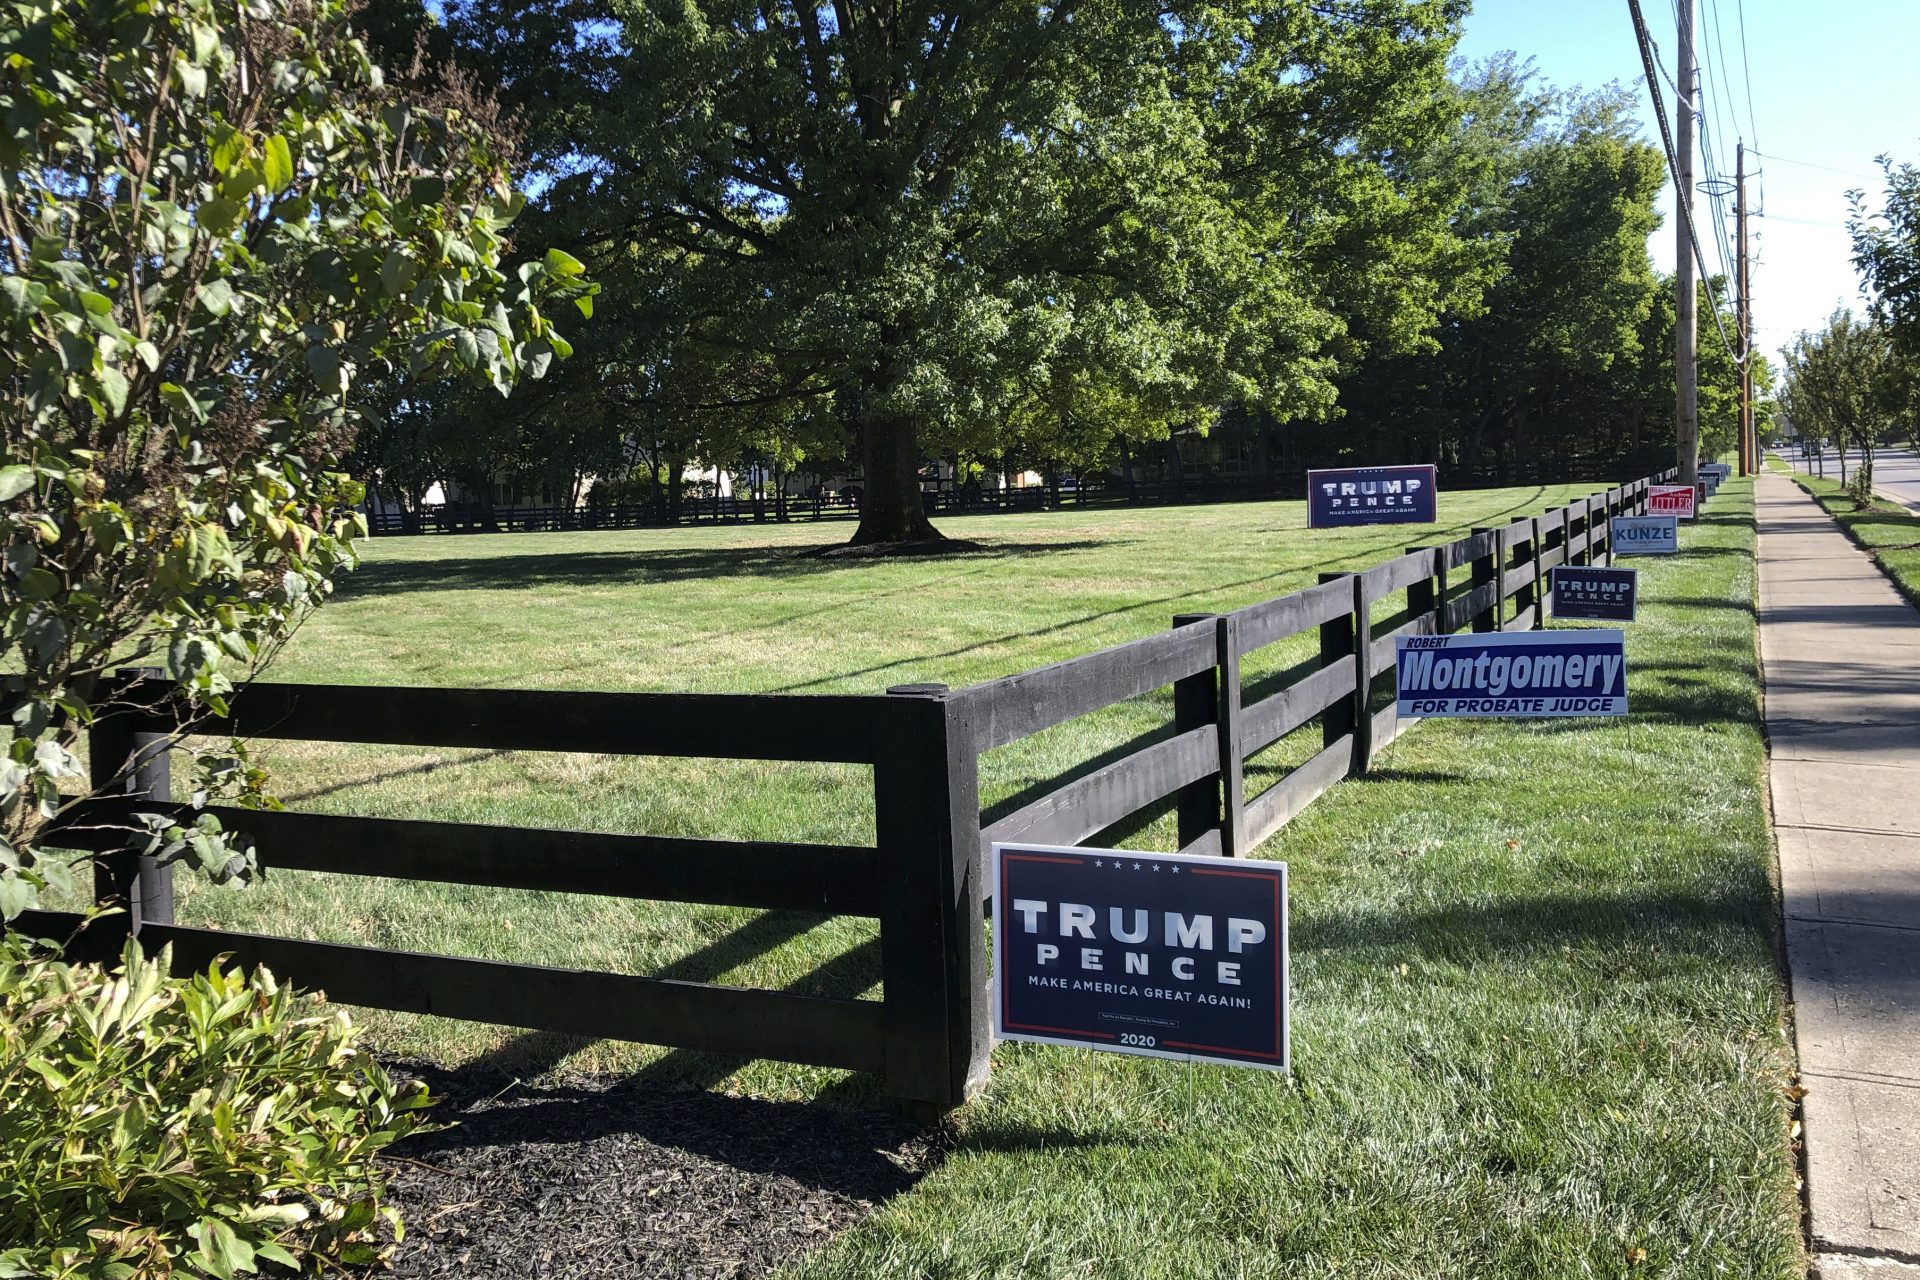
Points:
(1539, 1024)
(1886, 531)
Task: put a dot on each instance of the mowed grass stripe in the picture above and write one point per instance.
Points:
(1538, 1025)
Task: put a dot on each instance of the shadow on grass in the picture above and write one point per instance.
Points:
(648, 567)
(1668, 920)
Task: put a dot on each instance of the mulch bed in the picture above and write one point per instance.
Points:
(589, 1178)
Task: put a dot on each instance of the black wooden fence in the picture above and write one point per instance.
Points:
(1090, 492)
(927, 1036)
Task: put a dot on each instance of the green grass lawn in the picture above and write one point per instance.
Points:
(734, 610)
(1538, 1022)
(1886, 530)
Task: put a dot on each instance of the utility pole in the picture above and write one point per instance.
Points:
(1749, 443)
(1686, 352)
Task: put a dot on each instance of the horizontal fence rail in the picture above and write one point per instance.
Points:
(926, 1037)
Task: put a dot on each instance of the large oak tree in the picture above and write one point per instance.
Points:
(918, 210)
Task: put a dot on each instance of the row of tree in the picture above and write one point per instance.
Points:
(1856, 382)
(849, 238)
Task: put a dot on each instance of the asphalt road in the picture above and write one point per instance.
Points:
(1896, 472)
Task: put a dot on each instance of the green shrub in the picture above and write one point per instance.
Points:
(184, 1127)
(1860, 485)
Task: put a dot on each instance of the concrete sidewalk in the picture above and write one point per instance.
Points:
(1840, 652)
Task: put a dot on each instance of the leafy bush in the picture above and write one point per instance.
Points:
(163, 1127)
(1860, 484)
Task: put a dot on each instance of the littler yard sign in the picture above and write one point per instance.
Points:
(1519, 673)
(1157, 954)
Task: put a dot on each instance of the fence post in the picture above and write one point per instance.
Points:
(1527, 593)
(1430, 596)
(933, 960)
(1491, 568)
(1233, 792)
(1196, 703)
(1340, 638)
(122, 762)
(1362, 677)
(1540, 581)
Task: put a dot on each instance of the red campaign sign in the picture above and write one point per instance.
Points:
(1670, 500)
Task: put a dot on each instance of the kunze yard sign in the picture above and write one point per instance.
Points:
(1159, 954)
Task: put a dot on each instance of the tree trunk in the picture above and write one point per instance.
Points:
(890, 508)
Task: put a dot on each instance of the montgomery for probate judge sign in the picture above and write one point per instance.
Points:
(1159, 954)
(1513, 673)
(1372, 495)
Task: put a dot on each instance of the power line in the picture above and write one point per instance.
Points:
(1808, 164)
(1746, 73)
(1681, 203)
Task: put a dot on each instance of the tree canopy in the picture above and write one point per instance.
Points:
(218, 239)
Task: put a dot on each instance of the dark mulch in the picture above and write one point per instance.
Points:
(589, 1178)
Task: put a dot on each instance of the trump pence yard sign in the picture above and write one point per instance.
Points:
(1372, 495)
(1595, 594)
(1519, 673)
(1159, 954)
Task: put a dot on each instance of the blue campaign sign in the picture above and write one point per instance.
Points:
(1158, 954)
(1516, 673)
(1645, 535)
(1593, 593)
(1372, 495)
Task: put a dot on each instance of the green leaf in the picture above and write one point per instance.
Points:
(561, 347)
(39, 583)
(217, 296)
(273, 1252)
(221, 1250)
(22, 296)
(563, 264)
(180, 398)
(149, 355)
(467, 348)
(220, 215)
(192, 79)
(324, 363)
(14, 481)
(17, 894)
(279, 164)
(397, 273)
(113, 387)
(585, 303)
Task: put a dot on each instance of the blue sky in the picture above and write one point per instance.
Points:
(1832, 86)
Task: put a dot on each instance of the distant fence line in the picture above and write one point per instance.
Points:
(927, 1037)
(1108, 492)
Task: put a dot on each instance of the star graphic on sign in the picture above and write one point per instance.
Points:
(1136, 866)
(1156, 866)
(1098, 863)
(1176, 871)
